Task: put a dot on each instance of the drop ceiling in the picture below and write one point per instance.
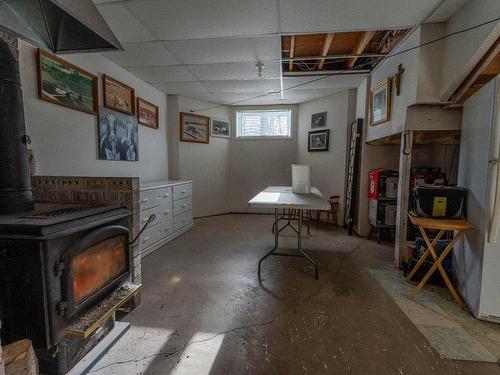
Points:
(208, 49)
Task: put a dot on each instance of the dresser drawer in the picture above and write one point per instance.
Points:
(180, 221)
(182, 191)
(145, 214)
(167, 227)
(182, 205)
(150, 198)
(150, 236)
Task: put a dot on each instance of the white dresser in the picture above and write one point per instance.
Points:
(171, 202)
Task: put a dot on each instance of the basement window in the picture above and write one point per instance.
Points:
(264, 124)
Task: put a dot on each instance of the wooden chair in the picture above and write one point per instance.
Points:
(334, 207)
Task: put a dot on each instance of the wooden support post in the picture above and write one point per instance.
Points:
(19, 358)
(325, 48)
(403, 196)
(292, 51)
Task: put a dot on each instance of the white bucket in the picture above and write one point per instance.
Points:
(301, 179)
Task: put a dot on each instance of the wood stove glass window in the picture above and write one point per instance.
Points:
(98, 265)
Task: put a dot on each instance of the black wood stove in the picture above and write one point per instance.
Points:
(54, 266)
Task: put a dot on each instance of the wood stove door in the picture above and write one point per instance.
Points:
(93, 267)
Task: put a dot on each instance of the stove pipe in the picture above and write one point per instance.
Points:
(15, 180)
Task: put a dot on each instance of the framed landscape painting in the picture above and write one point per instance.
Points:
(318, 120)
(118, 96)
(380, 102)
(220, 128)
(147, 113)
(319, 140)
(63, 83)
(118, 136)
(194, 128)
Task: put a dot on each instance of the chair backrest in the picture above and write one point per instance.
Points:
(334, 202)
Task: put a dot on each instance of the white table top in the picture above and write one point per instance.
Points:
(282, 197)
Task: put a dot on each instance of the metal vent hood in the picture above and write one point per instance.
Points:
(63, 26)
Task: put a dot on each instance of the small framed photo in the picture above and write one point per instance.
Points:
(319, 140)
(194, 128)
(380, 102)
(318, 120)
(147, 114)
(118, 96)
(63, 83)
(220, 128)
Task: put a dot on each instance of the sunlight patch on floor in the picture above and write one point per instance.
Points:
(200, 355)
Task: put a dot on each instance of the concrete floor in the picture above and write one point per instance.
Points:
(203, 311)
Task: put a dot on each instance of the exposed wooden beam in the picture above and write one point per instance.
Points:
(333, 57)
(292, 51)
(326, 47)
(325, 72)
(360, 46)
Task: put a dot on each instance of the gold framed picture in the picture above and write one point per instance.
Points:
(194, 128)
(63, 83)
(118, 96)
(380, 102)
(147, 114)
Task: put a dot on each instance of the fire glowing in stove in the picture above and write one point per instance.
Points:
(98, 265)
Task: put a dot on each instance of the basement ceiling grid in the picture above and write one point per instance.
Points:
(208, 50)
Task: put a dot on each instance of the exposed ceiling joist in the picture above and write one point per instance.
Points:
(325, 72)
(326, 47)
(292, 50)
(334, 57)
(364, 40)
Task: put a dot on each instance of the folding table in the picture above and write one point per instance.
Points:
(281, 197)
(443, 225)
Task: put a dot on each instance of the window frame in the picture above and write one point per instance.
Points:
(263, 137)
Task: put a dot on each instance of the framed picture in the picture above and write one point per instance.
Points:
(220, 128)
(63, 83)
(380, 102)
(118, 96)
(147, 114)
(318, 120)
(319, 140)
(194, 128)
(118, 136)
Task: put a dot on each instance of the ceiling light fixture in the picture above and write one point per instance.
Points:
(259, 67)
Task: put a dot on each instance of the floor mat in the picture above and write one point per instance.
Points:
(454, 333)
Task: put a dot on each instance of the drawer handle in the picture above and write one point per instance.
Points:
(145, 219)
(183, 191)
(166, 212)
(145, 200)
(165, 195)
(184, 205)
(146, 239)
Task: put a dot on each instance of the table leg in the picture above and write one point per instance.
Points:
(437, 264)
(426, 253)
(276, 240)
(299, 246)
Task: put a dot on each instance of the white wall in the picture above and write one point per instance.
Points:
(65, 140)
(463, 51)
(408, 95)
(256, 164)
(207, 165)
(328, 168)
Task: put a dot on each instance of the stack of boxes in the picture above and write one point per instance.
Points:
(382, 193)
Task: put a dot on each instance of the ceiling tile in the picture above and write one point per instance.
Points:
(446, 10)
(181, 88)
(243, 86)
(302, 95)
(226, 50)
(299, 16)
(324, 82)
(233, 71)
(195, 19)
(123, 24)
(163, 74)
(142, 54)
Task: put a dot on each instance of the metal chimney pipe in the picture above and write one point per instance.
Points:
(15, 180)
